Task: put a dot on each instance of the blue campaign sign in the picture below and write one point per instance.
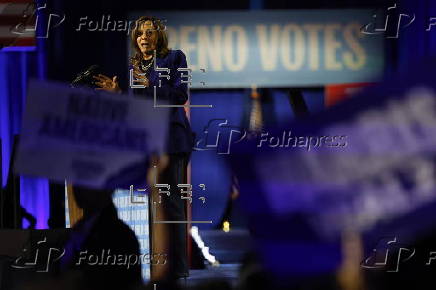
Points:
(275, 48)
(380, 175)
(89, 138)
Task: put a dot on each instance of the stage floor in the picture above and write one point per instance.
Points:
(229, 249)
(224, 272)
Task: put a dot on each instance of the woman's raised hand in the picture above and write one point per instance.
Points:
(107, 84)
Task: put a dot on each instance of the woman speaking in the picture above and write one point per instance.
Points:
(148, 36)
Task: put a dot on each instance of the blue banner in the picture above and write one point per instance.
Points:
(275, 48)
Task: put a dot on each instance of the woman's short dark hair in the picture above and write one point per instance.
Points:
(162, 38)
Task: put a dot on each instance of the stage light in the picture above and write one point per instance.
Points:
(226, 226)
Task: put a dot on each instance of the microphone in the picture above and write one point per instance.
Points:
(85, 77)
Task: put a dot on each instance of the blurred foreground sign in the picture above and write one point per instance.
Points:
(386, 170)
(92, 139)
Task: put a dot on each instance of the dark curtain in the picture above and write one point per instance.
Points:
(17, 66)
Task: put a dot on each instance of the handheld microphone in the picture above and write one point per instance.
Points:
(85, 77)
